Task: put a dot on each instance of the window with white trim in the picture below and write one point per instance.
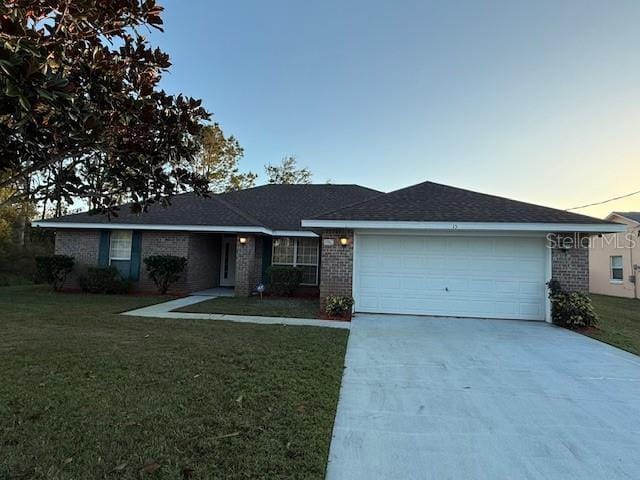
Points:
(120, 245)
(617, 273)
(298, 252)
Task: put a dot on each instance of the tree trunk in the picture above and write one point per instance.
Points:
(22, 230)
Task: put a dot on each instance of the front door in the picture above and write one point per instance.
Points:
(228, 262)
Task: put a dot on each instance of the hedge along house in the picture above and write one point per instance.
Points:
(229, 240)
(428, 249)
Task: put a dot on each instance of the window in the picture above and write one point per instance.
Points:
(298, 252)
(120, 245)
(617, 274)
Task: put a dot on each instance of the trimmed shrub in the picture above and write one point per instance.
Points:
(571, 309)
(53, 269)
(104, 280)
(165, 270)
(338, 305)
(284, 279)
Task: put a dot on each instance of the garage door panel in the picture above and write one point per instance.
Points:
(414, 262)
(413, 245)
(435, 245)
(457, 246)
(435, 284)
(478, 286)
(458, 264)
(530, 309)
(374, 283)
(485, 277)
(484, 247)
(530, 288)
(478, 308)
(414, 283)
(457, 285)
(503, 287)
(507, 309)
(369, 303)
(368, 263)
(435, 263)
(479, 265)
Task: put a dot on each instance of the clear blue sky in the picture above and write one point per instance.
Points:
(536, 100)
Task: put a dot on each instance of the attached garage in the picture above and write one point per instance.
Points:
(461, 276)
(431, 249)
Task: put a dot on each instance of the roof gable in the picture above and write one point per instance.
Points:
(282, 207)
(433, 202)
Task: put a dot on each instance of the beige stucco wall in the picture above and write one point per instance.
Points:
(600, 252)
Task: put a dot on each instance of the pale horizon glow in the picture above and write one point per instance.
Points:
(535, 101)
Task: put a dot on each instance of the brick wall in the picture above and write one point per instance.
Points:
(248, 265)
(83, 245)
(201, 250)
(162, 243)
(336, 264)
(256, 274)
(570, 262)
(203, 267)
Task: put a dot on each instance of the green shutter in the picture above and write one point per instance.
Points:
(136, 247)
(266, 256)
(103, 252)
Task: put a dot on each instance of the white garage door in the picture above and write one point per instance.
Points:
(488, 277)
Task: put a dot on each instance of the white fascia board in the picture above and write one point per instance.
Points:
(466, 226)
(292, 233)
(181, 228)
(137, 226)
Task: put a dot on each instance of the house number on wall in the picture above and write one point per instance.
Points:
(327, 242)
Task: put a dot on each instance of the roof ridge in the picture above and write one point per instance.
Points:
(235, 209)
(427, 184)
(499, 197)
(352, 204)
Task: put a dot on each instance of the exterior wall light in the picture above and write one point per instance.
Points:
(344, 241)
(242, 240)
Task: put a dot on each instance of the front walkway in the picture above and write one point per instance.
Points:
(165, 310)
(426, 398)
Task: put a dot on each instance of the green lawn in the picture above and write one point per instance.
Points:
(268, 306)
(619, 322)
(86, 393)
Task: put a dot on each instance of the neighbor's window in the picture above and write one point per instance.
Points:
(298, 252)
(616, 268)
(120, 245)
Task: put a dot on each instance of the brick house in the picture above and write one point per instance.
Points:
(425, 249)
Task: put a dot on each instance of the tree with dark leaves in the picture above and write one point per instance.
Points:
(81, 113)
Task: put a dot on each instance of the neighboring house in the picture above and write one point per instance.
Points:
(426, 249)
(615, 258)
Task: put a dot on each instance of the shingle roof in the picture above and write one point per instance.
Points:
(275, 207)
(635, 216)
(282, 207)
(432, 202)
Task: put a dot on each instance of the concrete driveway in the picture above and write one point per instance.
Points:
(427, 398)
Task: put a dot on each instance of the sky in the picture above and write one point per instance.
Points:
(537, 101)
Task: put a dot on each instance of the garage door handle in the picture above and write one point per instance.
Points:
(446, 289)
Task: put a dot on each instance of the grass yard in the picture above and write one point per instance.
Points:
(86, 393)
(268, 306)
(619, 322)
